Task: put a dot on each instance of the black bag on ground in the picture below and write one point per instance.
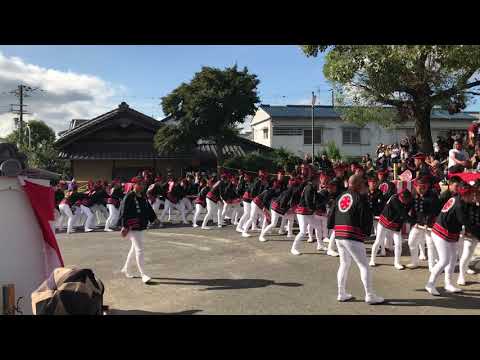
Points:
(69, 292)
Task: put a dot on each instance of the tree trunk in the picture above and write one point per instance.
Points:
(422, 128)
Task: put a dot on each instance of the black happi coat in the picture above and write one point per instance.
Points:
(116, 197)
(395, 214)
(202, 196)
(451, 219)
(473, 225)
(281, 204)
(350, 217)
(59, 196)
(425, 209)
(388, 189)
(307, 204)
(263, 200)
(136, 212)
(376, 202)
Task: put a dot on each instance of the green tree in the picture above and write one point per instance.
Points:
(407, 80)
(209, 107)
(42, 154)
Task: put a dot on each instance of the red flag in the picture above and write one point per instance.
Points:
(42, 201)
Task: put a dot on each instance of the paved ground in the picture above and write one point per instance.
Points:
(219, 272)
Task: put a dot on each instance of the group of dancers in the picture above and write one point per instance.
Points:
(341, 206)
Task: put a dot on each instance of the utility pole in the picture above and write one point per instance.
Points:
(313, 126)
(21, 92)
(333, 98)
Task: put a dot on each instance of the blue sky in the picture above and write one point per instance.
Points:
(150, 72)
(85, 81)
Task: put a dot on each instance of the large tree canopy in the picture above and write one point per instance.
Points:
(408, 80)
(209, 107)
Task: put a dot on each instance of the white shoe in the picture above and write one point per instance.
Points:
(89, 230)
(146, 278)
(126, 273)
(206, 228)
(281, 232)
(239, 230)
(412, 266)
(471, 272)
(432, 290)
(262, 239)
(295, 252)
(461, 282)
(452, 289)
(344, 297)
(291, 236)
(245, 235)
(310, 240)
(374, 299)
(382, 253)
(332, 253)
(195, 225)
(108, 230)
(422, 257)
(399, 266)
(372, 263)
(320, 247)
(185, 223)
(326, 240)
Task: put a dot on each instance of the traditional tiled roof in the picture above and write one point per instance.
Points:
(324, 111)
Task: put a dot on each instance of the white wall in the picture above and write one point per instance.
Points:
(372, 134)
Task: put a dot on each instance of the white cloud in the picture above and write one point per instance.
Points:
(67, 95)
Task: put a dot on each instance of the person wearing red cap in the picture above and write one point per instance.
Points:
(59, 195)
(351, 220)
(155, 193)
(66, 207)
(425, 208)
(256, 209)
(231, 201)
(388, 189)
(375, 201)
(243, 189)
(135, 215)
(201, 200)
(421, 167)
(113, 205)
(445, 235)
(304, 212)
(278, 209)
(214, 203)
(390, 224)
(172, 201)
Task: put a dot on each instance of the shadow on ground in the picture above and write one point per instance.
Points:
(222, 284)
(142, 312)
(446, 300)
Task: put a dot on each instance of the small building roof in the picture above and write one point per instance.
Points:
(328, 111)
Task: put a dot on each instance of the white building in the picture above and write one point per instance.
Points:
(290, 127)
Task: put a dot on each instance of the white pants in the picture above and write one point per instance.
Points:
(384, 233)
(246, 215)
(273, 222)
(287, 220)
(419, 237)
(101, 213)
(198, 209)
(255, 214)
(136, 237)
(469, 245)
(319, 224)
(187, 204)
(112, 217)
(332, 244)
(348, 250)
(447, 257)
(375, 222)
(170, 206)
(212, 208)
(156, 206)
(66, 211)
(90, 222)
(303, 222)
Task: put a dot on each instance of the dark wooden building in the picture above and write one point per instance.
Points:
(119, 144)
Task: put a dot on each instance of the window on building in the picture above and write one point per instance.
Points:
(265, 133)
(307, 136)
(287, 131)
(352, 136)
